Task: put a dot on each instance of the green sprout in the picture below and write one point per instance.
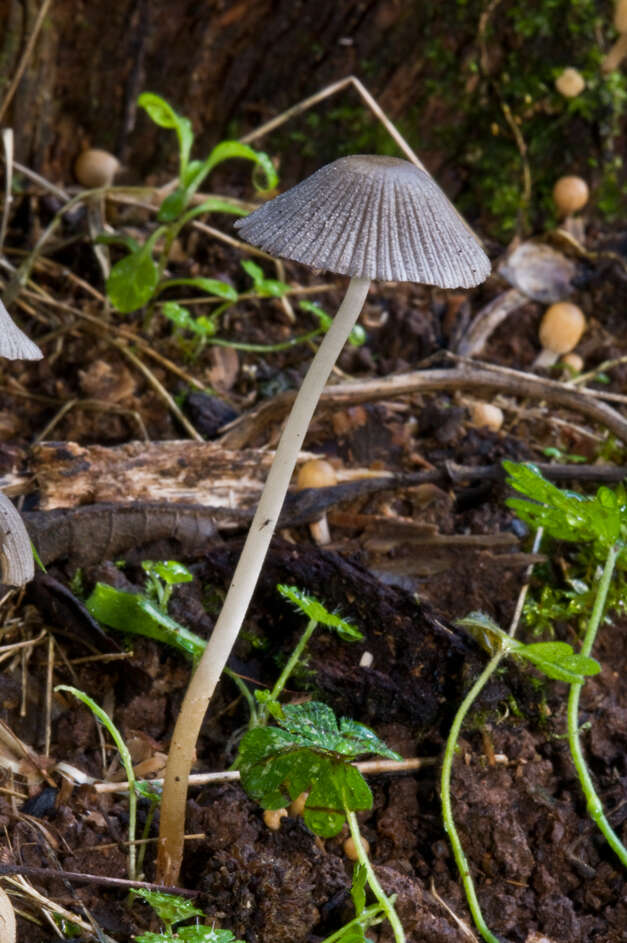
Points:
(172, 909)
(138, 278)
(309, 751)
(127, 763)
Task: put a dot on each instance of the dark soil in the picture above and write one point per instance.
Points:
(538, 862)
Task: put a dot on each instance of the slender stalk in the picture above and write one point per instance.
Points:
(373, 881)
(207, 674)
(292, 661)
(445, 795)
(593, 803)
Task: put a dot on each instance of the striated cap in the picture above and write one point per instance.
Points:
(371, 217)
(14, 344)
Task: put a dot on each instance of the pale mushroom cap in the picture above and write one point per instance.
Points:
(316, 473)
(95, 168)
(371, 217)
(486, 416)
(561, 327)
(570, 194)
(570, 83)
(14, 344)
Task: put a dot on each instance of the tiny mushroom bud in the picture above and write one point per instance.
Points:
(487, 416)
(350, 848)
(95, 168)
(272, 818)
(297, 807)
(573, 361)
(570, 83)
(560, 330)
(570, 194)
(317, 473)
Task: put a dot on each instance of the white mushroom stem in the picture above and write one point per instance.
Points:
(224, 635)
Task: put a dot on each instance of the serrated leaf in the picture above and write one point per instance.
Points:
(558, 661)
(564, 514)
(314, 609)
(309, 752)
(170, 908)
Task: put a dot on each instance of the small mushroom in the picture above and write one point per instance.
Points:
(363, 216)
(570, 194)
(14, 344)
(573, 361)
(350, 848)
(570, 83)
(95, 168)
(317, 473)
(273, 817)
(486, 416)
(560, 330)
(297, 807)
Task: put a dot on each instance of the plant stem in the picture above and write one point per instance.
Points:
(445, 795)
(291, 664)
(207, 674)
(593, 803)
(373, 881)
(365, 919)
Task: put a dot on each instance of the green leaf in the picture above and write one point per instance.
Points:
(214, 205)
(314, 609)
(133, 280)
(170, 571)
(557, 660)
(268, 287)
(150, 937)
(211, 286)
(170, 908)
(487, 633)
(358, 887)
(117, 239)
(203, 934)
(357, 336)
(166, 117)
(128, 612)
(309, 752)
(173, 205)
(228, 149)
(178, 315)
(567, 515)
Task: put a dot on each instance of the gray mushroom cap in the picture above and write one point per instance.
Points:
(14, 344)
(371, 217)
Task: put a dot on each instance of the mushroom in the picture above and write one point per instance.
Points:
(317, 473)
(363, 216)
(570, 83)
(350, 848)
(573, 361)
(14, 344)
(297, 807)
(95, 168)
(486, 416)
(570, 194)
(273, 817)
(560, 330)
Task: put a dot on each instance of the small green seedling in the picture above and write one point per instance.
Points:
(172, 910)
(127, 763)
(138, 278)
(600, 521)
(162, 576)
(309, 751)
(357, 336)
(317, 615)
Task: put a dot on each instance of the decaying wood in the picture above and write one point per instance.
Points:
(243, 430)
